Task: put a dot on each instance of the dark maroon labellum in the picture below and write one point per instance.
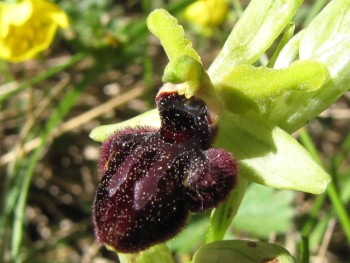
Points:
(152, 179)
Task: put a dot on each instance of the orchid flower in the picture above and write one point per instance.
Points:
(258, 108)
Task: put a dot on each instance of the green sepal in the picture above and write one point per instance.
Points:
(268, 155)
(171, 35)
(246, 87)
(242, 251)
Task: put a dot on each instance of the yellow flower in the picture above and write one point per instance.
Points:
(28, 27)
(207, 13)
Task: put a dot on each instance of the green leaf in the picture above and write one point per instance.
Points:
(246, 87)
(191, 237)
(172, 36)
(260, 24)
(159, 253)
(267, 208)
(327, 40)
(147, 119)
(268, 155)
(229, 251)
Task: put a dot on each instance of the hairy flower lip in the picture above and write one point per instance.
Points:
(107, 145)
(152, 179)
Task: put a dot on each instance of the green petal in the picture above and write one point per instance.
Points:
(147, 119)
(260, 24)
(242, 251)
(171, 35)
(246, 87)
(268, 155)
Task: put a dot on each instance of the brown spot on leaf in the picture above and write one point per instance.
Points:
(251, 244)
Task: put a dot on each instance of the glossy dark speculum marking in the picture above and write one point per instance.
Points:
(152, 179)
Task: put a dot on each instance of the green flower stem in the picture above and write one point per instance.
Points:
(312, 215)
(305, 250)
(342, 155)
(288, 34)
(221, 217)
(339, 207)
(332, 192)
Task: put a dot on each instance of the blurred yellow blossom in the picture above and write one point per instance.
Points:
(28, 27)
(207, 13)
